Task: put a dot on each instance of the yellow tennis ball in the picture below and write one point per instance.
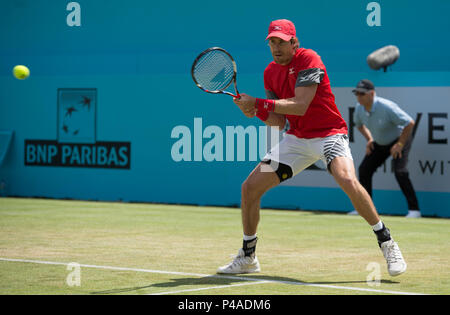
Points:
(21, 72)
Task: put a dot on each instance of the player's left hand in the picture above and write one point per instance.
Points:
(396, 151)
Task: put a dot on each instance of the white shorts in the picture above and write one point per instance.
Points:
(300, 153)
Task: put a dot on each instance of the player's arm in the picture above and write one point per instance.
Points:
(276, 120)
(247, 105)
(306, 86)
(273, 119)
(297, 105)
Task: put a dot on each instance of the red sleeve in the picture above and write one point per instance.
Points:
(310, 59)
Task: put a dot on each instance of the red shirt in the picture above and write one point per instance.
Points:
(322, 117)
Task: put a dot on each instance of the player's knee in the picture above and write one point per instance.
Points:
(283, 171)
(249, 190)
(348, 182)
(245, 188)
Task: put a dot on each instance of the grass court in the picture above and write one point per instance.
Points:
(129, 248)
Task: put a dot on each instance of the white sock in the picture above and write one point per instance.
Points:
(378, 226)
(249, 237)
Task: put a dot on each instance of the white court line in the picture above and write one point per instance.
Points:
(214, 276)
(210, 288)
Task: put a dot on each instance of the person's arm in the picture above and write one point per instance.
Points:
(396, 150)
(292, 106)
(273, 119)
(366, 133)
(296, 105)
(269, 118)
(306, 87)
(400, 118)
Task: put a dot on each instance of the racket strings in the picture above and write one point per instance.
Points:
(214, 71)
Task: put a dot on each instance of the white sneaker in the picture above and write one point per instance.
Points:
(395, 262)
(354, 212)
(241, 264)
(413, 214)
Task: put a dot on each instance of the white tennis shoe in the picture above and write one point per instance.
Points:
(413, 214)
(395, 262)
(241, 264)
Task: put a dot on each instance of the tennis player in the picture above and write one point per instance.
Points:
(298, 90)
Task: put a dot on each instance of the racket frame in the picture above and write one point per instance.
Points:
(233, 80)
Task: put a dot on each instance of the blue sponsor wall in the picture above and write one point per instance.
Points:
(136, 56)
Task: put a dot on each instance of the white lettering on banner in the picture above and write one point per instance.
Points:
(240, 142)
(429, 158)
(374, 17)
(74, 17)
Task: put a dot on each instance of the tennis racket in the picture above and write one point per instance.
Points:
(214, 70)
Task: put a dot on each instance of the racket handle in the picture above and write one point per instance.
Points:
(237, 92)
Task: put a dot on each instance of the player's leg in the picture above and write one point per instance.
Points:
(343, 171)
(266, 175)
(260, 180)
(340, 164)
(335, 152)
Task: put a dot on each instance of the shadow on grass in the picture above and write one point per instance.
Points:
(219, 280)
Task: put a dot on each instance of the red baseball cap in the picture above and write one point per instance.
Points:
(283, 29)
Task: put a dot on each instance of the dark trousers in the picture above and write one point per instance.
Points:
(378, 156)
